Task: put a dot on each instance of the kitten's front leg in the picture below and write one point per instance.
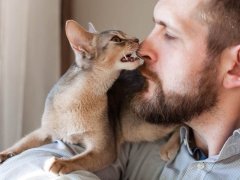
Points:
(34, 139)
(95, 157)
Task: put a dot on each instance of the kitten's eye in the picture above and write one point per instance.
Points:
(116, 39)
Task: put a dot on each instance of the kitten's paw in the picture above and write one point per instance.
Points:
(58, 166)
(5, 156)
(170, 149)
(168, 154)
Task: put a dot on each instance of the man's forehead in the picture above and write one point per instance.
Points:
(183, 14)
(182, 7)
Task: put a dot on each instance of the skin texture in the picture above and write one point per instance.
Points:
(180, 72)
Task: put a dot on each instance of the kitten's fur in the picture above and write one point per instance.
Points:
(76, 109)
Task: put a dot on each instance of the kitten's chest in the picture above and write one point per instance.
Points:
(77, 123)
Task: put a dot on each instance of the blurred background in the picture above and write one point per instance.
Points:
(34, 51)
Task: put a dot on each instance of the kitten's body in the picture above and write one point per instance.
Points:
(76, 109)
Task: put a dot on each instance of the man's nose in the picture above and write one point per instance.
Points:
(147, 52)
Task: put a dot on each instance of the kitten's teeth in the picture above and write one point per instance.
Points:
(124, 56)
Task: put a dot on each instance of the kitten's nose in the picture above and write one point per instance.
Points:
(136, 40)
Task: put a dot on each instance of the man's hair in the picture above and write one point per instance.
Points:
(223, 19)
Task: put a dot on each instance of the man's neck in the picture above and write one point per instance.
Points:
(212, 129)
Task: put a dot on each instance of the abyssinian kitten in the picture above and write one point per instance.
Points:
(76, 109)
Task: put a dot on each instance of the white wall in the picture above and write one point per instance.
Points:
(29, 63)
(132, 16)
(43, 59)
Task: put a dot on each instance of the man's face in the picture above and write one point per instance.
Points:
(180, 77)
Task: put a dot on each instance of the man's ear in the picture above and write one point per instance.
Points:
(79, 39)
(232, 76)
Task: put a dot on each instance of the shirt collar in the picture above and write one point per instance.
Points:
(229, 149)
(231, 146)
(184, 137)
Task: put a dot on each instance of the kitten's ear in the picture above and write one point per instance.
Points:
(79, 38)
(91, 28)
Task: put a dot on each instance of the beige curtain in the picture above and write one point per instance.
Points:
(29, 63)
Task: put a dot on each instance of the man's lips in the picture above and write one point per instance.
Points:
(146, 73)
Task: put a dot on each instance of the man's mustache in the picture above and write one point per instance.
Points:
(148, 74)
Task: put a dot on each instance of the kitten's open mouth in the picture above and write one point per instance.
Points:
(131, 57)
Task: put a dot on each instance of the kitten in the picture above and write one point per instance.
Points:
(76, 109)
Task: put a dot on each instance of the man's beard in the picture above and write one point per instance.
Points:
(173, 108)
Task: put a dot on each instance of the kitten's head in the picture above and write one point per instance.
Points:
(109, 49)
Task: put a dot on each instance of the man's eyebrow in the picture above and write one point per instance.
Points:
(166, 25)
